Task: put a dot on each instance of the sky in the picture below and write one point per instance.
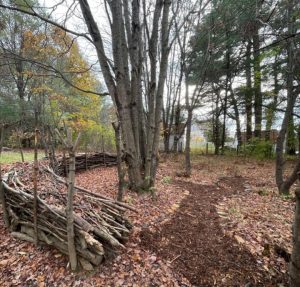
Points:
(75, 22)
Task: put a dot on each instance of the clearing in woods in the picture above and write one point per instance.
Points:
(224, 226)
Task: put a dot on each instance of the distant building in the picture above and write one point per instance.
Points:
(176, 132)
(198, 138)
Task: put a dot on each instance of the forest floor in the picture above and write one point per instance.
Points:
(224, 226)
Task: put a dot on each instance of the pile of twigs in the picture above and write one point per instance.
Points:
(99, 222)
(84, 161)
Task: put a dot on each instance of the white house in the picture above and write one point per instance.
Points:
(198, 138)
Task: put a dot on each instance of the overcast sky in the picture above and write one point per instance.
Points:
(73, 19)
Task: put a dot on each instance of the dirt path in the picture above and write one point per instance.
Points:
(196, 246)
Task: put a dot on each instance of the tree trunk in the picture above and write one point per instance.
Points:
(216, 124)
(257, 85)
(70, 215)
(188, 144)
(291, 138)
(119, 85)
(140, 149)
(165, 51)
(294, 266)
(237, 118)
(166, 142)
(284, 185)
(35, 179)
(173, 85)
(21, 149)
(131, 156)
(51, 148)
(248, 93)
(121, 172)
(226, 91)
(223, 139)
(176, 127)
(2, 195)
(21, 84)
(270, 114)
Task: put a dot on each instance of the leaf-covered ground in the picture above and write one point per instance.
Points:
(243, 207)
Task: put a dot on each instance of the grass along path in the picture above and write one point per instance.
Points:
(8, 157)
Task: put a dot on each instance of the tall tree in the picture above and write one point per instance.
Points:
(284, 184)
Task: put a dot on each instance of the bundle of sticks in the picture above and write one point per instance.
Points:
(84, 161)
(99, 222)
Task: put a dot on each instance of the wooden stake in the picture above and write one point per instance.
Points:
(35, 176)
(20, 147)
(2, 195)
(71, 148)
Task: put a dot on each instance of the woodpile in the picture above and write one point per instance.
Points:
(100, 226)
(86, 161)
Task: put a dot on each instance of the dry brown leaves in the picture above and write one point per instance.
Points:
(255, 216)
(22, 264)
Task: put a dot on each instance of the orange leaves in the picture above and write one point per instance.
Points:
(40, 89)
(35, 46)
(41, 281)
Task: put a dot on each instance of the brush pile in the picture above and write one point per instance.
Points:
(99, 222)
(85, 161)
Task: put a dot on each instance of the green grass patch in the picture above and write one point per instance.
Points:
(195, 150)
(15, 156)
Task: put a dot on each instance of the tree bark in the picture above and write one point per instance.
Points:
(20, 146)
(69, 211)
(248, 93)
(35, 179)
(284, 185)
(237, 118)
(153, 54)
(216, 125)
(228, 53)
(188, 144)
(294, 266)
(140, 150)
(121, 172)
(171, 119)
(176, 127)
(71, 148)
(2, 194)
(165, 51)
(257, 84)
(120, 87)
(291, 138)
(270, 114)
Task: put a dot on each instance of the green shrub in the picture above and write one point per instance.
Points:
(260, 149)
